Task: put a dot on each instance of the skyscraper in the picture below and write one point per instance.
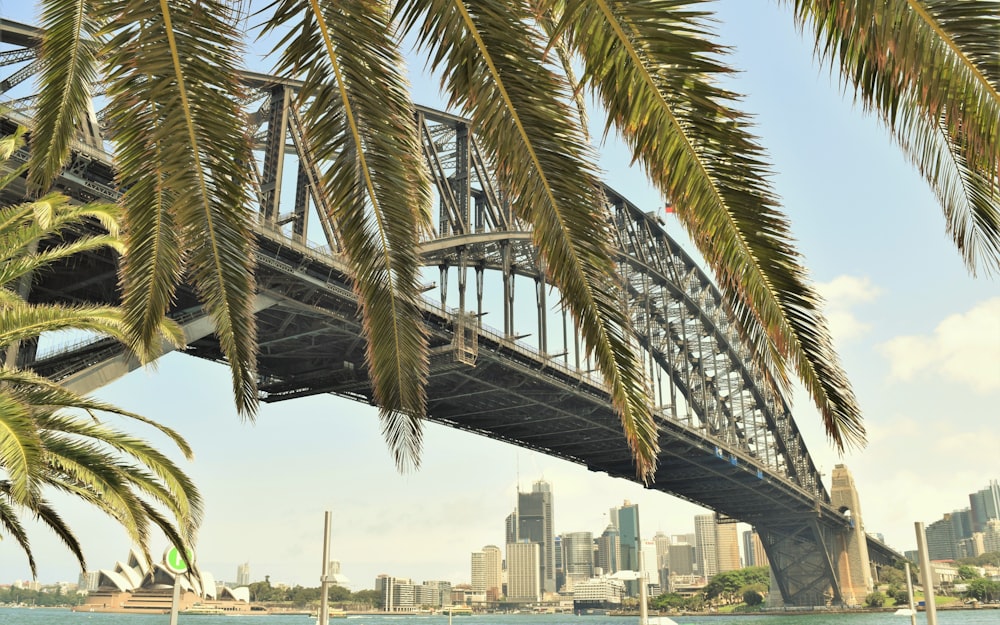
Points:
(682, 559)
(727, 546)
(626, 519)
(985, 505)
(609, 551)
(941, 543)
(523, 572)
(663, 543)
(494, 572)
(243, 574)
(532, 522)
(705, 545)
(753, 549)
(578, 556)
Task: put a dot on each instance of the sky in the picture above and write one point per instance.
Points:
(918, 336)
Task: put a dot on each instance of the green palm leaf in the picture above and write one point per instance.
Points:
(496, 73)
(652, 64)
(359, 121)
(11, 525)
(69, 70)
(173, 112)
(929, 67)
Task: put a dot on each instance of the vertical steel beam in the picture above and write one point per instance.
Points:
(274, 153)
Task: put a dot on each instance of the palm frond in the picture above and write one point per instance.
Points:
(23, 322)
(173, 108)
(21, 449)
(652, 63)
(11, 523)
(48, 515)
(69, 70)
(928, 67)
(495, 72)
(359, 122)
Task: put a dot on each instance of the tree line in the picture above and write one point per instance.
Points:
(301, 597)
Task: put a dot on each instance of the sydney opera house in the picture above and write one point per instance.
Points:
(138, 587)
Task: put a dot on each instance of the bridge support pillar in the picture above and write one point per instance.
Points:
(853, 563)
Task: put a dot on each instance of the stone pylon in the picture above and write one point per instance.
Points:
(851, 555)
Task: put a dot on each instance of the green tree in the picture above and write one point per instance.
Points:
(875, 600)
(51, 439)
(967, 572)
(754, 594)
(927, 67)
(983, 589)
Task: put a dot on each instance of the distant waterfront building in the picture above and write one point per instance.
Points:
(941, 541)
(609, 550)
(439, 593)
(602, 593)
(479, 572)
(961, 523)
(972, 546)
(705, 545)
(532, 520)
(649, 565)
(487, 573)
(243, 574)
(523, 572)
(985, 505)
(626, 520)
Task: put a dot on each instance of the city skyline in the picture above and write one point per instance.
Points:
(918, 336)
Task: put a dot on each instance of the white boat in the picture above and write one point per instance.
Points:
(903, 612)
(199, 608)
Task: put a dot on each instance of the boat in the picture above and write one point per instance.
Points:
(332, 612)
(200, 608)
(457, 610)
(903, 612)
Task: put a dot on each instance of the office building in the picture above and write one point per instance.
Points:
(626, 520)
(578, 557)
(705, 545)
(663, 543)
(753, 549)
(941, 543)
(727, 546)
(609, 550)
(991, 536)
(487, 573)
(243, 574)
(985, 505)
(682, 559)
(532, 521)
(524, 572)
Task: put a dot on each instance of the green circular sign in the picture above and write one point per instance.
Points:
(175, 562)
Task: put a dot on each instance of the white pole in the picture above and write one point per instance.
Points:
(324, 584)
(643, 610)
(926, 575)
(176, 602)
(909, 595)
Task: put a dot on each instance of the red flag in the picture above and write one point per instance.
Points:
(668, 208)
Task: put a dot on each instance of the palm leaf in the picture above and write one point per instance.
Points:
(359, 122)
(11, 523)
(652, 64)
(495, 72)
(929, 67)
(69, 69)
(173, 109)
(21, 448)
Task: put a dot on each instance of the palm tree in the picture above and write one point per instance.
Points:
(929, 68)
(51, 439)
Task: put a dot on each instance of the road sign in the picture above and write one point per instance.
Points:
(175, 562)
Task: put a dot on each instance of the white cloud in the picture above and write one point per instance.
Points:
(842, 294)
(964, 348)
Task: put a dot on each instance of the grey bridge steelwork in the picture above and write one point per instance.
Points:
(728, 441)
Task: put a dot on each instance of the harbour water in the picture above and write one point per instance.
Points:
(42, 616)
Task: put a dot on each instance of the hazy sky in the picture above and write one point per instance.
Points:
(919, 337)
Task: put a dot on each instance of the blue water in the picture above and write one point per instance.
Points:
(43, 616)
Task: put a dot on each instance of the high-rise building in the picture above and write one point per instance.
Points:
(609, 551)
(961, 523)
(532, 521)
(243, 574)
(494, 572)
(753, 549)
(682, 559)
(578, 556)
(941, 543)
(991, 536)
(705, 545)
(626, 519)
(651, 573)
(985, 505)
(727, 547)
(663, 543)
(524, 572)
(479, 572)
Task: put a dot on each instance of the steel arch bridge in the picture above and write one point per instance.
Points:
(728, 440)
